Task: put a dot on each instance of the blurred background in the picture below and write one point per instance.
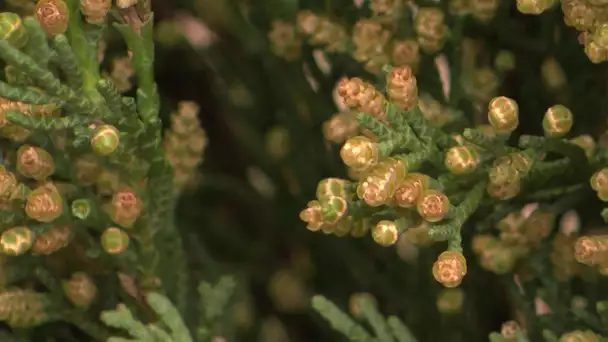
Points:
(265, 153)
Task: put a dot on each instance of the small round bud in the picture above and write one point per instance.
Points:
(333, 208)
(599, 180)
(80, 290)
(558, 121)
(114, 240)
(385, 233)
(331, 187)
(522, 162)
(361, 96)
(34, 162)
(433, 205)
(105, 140)
(600, 36)
(405, 52)
(462, 159)
(409, 191)
(509, 329)
(52, 240)
(359, 153)
(450, 268)
(12, 29)
(284, 40)
(44, 204)
(95, 10)
(534, 6)
(594, 52)
(503, 174)
(313, 216)
(8, 183)
(81, 208)
(126, 206)
(591, 250)
(341, 127)
(505, 191)
(53, 16)
(503, 114)
(16, 241)
(484, 10)
(402, 88)
(430, 26)
(580, 336)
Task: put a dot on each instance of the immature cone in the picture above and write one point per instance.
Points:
(8, 183)
(462, 159)
(503, 174)
(381, 181)
(95, 10)
(484, 10)
(580, 336)
(509, 329)
(599, 183)
(185, 143)
(401, 87)
(534, 6)
(80, 289)
(284, 40)
(592, 250)
(52, 240)
(557, 121)
(430, 26)
(12, 29)
(313, 216)
(362, 96)
(114, 240)
(331, 187)
(24, 308)
(370, 39)
(410, 190)
(507, 190)
(385, 233)
(16, 241)
(105, 140)
(359, 153)
(538, 226)
(578, 14)
(34, 162)
(81, 208)
(433, 205)
(503, 114)
(499, 260)
(340, 127)
(53, 16)
(405, 53)
(44, 203)
(450, 268)
(126, 207)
